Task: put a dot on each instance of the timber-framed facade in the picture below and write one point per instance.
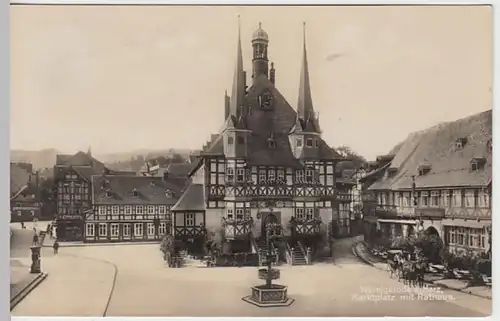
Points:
(269, 164)
(442, 187)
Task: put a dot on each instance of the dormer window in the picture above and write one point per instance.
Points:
(309, 142)
(460, 142)
(391, 171)
(299, 141)
(168, 193)
(316, 143)
(240, 140)
(477, 164)
(108, 193)
(230, 140)
(272, 143)
(134, 192)
(424, 169)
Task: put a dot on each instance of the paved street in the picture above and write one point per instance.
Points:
(81, 278)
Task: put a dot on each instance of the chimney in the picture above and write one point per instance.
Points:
(165, 175)
(29, 178)
(148, 170)
(272, 74)
(37, 178)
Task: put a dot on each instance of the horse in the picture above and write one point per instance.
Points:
(408, 273)
(421, 267)
(393, 266)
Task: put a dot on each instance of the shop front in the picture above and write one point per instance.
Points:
(69, 228)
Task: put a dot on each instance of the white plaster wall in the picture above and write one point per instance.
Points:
(199, 176)
(437, 225)
(213, 218)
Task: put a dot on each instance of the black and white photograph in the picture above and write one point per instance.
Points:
(251, 161)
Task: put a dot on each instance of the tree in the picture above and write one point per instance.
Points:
(167, 247)
(177, 158)
(357, 161)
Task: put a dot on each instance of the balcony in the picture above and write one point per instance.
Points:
(343, 197)
(234, 230)
(305, 227)
(367, 197)
(430, 212)
(386, 211)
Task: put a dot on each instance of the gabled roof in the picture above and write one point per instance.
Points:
(26, 193)
(79, 159)
(19, 178)
(193, 199)
(84, 172)
(436, 146)
(180, 169)
(111, 189)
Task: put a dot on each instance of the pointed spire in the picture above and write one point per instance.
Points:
(89, 151)
(238, 91)
(305, 108)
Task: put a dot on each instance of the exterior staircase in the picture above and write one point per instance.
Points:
(262, 249)
(298, 256)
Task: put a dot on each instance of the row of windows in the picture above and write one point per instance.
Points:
(136, 229)
(455, 198)
(278, 204)
(466, 237)
(310, 142)
(136, 209)
(117, 217)
(238, 213)
(70, 210)
(72, 190)
(70, 176)
(221, 167)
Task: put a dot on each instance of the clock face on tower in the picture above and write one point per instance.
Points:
(266, 100)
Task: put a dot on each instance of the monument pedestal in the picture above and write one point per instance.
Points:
(35, 259)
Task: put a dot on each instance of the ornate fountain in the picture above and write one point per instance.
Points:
(269, 294)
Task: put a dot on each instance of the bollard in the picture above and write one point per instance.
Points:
(35, 259)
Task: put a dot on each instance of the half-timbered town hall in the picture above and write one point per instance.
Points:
(269, 164)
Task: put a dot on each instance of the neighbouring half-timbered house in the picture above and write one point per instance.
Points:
(269, 164)
(25, 203)
(439, 181)
(72, 175)
(130, 208)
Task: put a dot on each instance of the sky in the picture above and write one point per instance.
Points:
(119, 78)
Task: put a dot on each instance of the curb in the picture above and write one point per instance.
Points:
(61, 245)
(428, 282)
(113, 283)
(26, 290)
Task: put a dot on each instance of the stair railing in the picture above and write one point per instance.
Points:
(288, 253)
(255, 248)
(303, 251)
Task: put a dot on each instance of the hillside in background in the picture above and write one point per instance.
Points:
(46, 158)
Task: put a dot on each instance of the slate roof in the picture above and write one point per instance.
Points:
(19, 178)
(79, 159)
(449, 165)
(26, 193)
(193, 199)
(278, 121)
(112, 189)
(82, 163)
(180, 169)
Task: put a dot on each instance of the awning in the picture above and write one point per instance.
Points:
(397, 221)
(466, 223)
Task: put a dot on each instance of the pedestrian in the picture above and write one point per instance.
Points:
(23, 227)
(56, 247)
(35, 239)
